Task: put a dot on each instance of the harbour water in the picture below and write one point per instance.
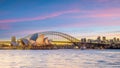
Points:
(61, 58)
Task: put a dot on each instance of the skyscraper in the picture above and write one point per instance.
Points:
(83, 40)
(99, 39)
(13, 39)
(118, 40)
(114, 40)
(89, 41)
(104, 39)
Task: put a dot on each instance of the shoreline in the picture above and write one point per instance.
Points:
(51, 48)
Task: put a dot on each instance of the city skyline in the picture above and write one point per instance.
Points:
(75, 17)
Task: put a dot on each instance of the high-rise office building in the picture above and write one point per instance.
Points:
(99, 39)
(13, 39)
(104, 39)
(83, 40)
(89, 41)
(114, 39)
(118, 40)
(111, 41)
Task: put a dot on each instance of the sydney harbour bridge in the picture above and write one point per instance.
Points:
(52, 34)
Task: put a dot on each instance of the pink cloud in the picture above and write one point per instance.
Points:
(102, 1)
(105, 13)
(4, 24)
(39, 17)
(91, 24)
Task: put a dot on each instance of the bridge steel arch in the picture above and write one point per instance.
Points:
(66, 36)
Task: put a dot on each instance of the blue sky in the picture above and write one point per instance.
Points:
(22, 17)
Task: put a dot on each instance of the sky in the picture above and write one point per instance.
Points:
(75, 17)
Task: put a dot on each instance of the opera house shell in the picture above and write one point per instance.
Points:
(40, 40)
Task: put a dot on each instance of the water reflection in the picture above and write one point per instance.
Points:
(68, 58)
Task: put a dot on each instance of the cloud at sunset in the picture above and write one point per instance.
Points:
(103, 13)
(40, 17)
(102, 0)
(4, 24)
(91, 24)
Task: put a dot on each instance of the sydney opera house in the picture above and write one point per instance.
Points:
(34, 40)
(39, 40)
